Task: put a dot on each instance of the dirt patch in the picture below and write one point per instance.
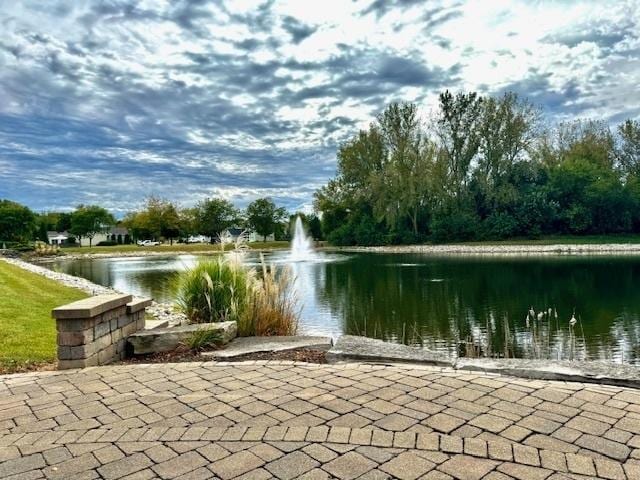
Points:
(9, 367)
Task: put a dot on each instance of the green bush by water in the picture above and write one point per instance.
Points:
(221, 290)
(213, 291)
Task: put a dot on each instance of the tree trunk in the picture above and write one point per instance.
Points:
(414, 220)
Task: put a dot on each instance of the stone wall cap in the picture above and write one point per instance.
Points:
(138, 304)
(90, 307)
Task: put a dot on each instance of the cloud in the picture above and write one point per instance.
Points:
(111, 101)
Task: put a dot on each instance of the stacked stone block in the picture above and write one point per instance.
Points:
(94, 331)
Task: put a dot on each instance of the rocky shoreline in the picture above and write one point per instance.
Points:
(161, 312)
(557, 249)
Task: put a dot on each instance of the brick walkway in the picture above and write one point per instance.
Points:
(283, 420)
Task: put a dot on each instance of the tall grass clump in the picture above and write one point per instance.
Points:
(272, 306)
(214, 291)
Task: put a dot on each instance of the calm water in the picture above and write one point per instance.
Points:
(461, 306)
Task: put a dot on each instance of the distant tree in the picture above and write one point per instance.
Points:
(64, 222)
(263, 216)
(628, 151)
(17, 222)
(43, 234)
(457, 127)
(87, 220)
(188, 221)
(214, 215)
(315, 227)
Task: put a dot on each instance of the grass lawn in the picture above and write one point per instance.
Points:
(176, 247)
(564, 240)
(27, 331)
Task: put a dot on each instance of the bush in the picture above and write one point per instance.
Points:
(213, 291)
(500, 225)
(205, 337)
(107, 243)
(454, 227)
(272, 305)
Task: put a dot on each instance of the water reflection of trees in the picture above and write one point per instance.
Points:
(472, 305)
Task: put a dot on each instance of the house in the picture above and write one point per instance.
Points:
(231, 235)
(119, 235)
(58, 238)
(255, 237)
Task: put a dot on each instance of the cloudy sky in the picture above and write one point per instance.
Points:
(110, 101)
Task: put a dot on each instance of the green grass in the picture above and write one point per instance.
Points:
(176, 247)
(563, 240)
(27, 331)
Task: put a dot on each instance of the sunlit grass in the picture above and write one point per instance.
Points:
(27, 331)
(176, 247)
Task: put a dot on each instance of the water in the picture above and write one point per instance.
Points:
(456, 305)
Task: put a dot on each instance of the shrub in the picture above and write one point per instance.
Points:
(272, 305)
(454, 227)
(213, 291)
(500, 225)
(107, 243)
(42, 249)
(202, 338)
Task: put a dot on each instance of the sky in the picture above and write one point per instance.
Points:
(108, 102)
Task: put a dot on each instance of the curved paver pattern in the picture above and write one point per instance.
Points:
(290, 420)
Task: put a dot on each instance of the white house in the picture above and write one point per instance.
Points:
(57, 238)
(231, 235)
(119, 235)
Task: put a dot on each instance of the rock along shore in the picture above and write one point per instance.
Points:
(557, 249)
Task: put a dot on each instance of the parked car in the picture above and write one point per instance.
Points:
(198, 239)
(147, 243)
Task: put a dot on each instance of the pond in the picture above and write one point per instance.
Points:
(457, 305)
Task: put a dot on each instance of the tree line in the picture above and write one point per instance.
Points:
(481, 168)
(158, 219)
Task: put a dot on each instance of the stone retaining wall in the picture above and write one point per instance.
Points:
(94, 331)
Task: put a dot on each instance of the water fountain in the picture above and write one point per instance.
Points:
(301, 245)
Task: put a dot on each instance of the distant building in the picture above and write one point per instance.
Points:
(231, 235)
(118, 235)
(58, 238)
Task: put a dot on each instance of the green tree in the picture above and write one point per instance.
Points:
(87, 220)
(457, 127)
(263, 216)
(628, 150)
(214, 215)
(17, 222)
(401, 187)
(508, 128)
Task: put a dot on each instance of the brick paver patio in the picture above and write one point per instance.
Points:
(259, 420)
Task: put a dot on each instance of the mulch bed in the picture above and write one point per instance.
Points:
(308, 355)
(180, 355)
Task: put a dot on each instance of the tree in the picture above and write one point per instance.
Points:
(214, 215)
(315, 227)
(87, 220)
(17, 222)
(628, 151)
(263, 216)
(457, 127)
(507, 129)
(401, 187)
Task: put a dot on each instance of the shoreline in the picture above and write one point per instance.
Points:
(154, 253)
(159, 311)
(511, 250)
(446, 249)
